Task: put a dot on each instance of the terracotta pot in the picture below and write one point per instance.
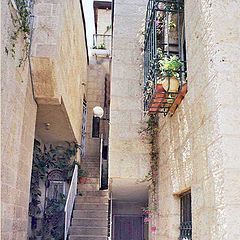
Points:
(82, 180)
(173, 86)
(159, 88)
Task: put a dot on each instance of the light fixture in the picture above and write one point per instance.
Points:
(98, 112)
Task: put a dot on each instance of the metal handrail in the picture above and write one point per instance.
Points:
(110, 218)
(70, 201)
(101, 161)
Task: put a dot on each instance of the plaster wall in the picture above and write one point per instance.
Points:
(128, 155)
(104, 21)
(198, 145)
(18, 116)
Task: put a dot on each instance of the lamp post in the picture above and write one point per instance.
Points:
(97, 115)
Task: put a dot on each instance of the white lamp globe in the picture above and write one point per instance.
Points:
(98, 112)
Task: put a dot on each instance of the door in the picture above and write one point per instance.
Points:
(128, 227)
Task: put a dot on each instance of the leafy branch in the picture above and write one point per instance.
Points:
(21, 23)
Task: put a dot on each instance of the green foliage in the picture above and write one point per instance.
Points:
(53, 224)
(100, 46)
(21, 23)
(44, 160)
(170, 66)
(151, 130)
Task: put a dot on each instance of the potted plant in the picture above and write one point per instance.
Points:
(170, 67)
(82, 176)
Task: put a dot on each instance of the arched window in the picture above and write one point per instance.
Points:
(57, 185)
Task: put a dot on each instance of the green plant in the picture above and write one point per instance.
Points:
(21, 23)
(44, 160)
(172, 24)
(170, 66)
(53, 223)
(150, 132)
(102, 46)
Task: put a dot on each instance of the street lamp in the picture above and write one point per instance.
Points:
(97, 115)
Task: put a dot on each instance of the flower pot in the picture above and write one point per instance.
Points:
(160, 92)
(82, 180)
(173, 86)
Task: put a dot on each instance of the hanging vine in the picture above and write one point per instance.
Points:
(20, 14)
(150, 133)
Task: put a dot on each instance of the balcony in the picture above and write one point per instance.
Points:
(102, 44)
(164, 56)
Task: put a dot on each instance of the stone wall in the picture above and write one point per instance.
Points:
(59, 55)
(198, 145)
(59, 58)
(97, 74)
(104, 21)
(128, 154)
(18, 115)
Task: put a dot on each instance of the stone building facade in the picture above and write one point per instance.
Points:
(42, 99)
(197, 145)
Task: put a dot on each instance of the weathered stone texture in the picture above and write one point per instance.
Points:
(60, 59)
(198, 145)
(18, 115)
(96, 89)
(128, 154)
(59, 55)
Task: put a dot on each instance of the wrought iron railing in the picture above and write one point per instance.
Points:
(164, 39)
(102, 41)
(185, 217)
(70, 201)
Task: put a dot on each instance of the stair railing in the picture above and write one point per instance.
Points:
(101, 161)
(70, 201)
(110, 220)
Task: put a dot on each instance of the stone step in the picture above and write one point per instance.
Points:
(98, 231)
(90, 213)
(90, 164)
(94, 193)
(91, 206)
(87, 222)
(88, 187)
(92, 171)
(91, 199)
(90, 159)
(88, 179)
(84, 237)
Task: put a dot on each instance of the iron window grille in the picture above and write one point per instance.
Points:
(164, 38)
(185, 217)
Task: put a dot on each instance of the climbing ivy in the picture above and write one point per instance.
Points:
(21, 30)
(150, 133)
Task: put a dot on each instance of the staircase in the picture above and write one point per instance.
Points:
(90, 214)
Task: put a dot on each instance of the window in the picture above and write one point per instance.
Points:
(185, 216)
(56, 185)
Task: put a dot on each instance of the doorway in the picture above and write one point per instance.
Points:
(128, 227)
